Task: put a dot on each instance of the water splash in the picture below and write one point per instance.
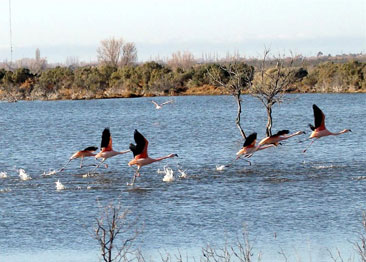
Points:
(49, 173)
(324, 166)
(220, 167)
(59, 185)
(161, 171)
(183, 173)
(5, 190)
(23, 175)
(169, 177)
(3, 174)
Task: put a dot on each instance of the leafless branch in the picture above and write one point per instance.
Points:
(109, 227)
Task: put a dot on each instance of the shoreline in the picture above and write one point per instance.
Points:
(162, 95)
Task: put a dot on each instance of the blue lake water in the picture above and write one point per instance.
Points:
(301, 203)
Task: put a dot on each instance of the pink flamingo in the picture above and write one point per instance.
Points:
(280, 136)
(87, 152)
(249, 147)
(141, 157)
(106, 148)
(319, 129)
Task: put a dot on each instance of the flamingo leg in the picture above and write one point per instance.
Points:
(135, 175)
(81, 162)
(250, 163)
(308, 146)
(232, 162)
(64, 166)
(101, 162)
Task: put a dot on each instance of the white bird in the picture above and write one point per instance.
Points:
(3, 174)
(159, 106)
(59, 185)
(23, 175)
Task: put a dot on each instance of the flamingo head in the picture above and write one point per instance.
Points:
(173, 155)
(300, 132)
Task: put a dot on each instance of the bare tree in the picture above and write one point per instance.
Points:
(272, 82)
(183, 60)
(114, 234)
(109, 51)
(129, 54)
(361, 245)
(72, 61)
(241, 251)
(235, 77)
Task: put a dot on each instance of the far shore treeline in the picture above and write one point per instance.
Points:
(181, 75)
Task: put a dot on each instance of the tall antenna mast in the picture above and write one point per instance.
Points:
(11, 35)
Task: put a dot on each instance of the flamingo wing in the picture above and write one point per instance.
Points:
(280, 133)
(106, 144)
(250, 140)
(91, 148)
(140, 149)
(319, 118)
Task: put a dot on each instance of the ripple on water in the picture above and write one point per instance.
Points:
(299, 196)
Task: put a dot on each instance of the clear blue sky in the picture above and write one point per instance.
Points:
(74, 28)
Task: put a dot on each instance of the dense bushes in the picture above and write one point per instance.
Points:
(336, 77)
(152, 78)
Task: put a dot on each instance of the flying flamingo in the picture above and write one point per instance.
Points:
(159, 106)
(81, 154)
(141, 157)
(106, 148)
(249, 147)
(319, 129)
(280, 136)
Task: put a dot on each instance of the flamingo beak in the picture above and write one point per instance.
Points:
(176, 155)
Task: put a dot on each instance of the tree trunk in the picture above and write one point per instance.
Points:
(269, 120)
(238, 101)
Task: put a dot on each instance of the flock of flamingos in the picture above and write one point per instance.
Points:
(140, 148)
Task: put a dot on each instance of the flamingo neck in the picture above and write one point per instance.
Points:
(339, 133)
(160, 158)
(294, 134)
(263, 147)
(123, 152)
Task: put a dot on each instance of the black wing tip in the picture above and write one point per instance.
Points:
(105, 137)
(250, 139)
(281, 132)
(315, 107)
(311, 127)
(253, 135)
(132, 147)
(91, 148)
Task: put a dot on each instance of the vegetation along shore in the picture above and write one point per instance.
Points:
(182, 74)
